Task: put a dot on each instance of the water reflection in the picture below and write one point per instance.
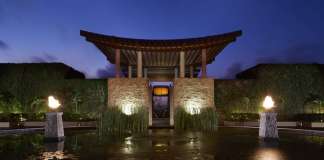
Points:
(268, 150)
(128, 146)
(268, 154)
(163, 144)
(55, 150)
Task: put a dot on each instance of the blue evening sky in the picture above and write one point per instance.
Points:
(274, 31)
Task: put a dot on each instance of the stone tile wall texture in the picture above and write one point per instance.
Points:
(194, 91)
(128, 90)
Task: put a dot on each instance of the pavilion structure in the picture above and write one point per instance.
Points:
(181, 61)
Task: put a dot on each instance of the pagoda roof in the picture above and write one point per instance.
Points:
(160, 53)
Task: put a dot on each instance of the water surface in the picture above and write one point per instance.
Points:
(226, 144)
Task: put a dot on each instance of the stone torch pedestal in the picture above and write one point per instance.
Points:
(268, 126)
(54, 130)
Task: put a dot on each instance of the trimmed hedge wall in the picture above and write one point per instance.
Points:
(24, 88)
(296, 89)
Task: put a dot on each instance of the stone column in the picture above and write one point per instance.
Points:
(54, 130)
(203, 63)
(145, 72)
(129, 71)
(139, 64)
(176, 72)
(182, 64)
(117, 63)
(268, 125)
(191, 71)
(171, 106)
(150, 109)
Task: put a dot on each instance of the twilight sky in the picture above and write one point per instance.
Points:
(274, 31)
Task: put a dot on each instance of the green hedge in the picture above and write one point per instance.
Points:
(294, 88)
(18, 117)
(206, 120)
(309, 117)
(241, 117)
(113, 120)
(24, 88)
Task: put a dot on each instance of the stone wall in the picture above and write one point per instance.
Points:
(133, 91)
(193, 91)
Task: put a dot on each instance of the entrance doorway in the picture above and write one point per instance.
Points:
(161, 104)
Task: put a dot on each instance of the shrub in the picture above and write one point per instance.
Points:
(9, 104)
(206, 120)
(113, 120)
(33, 116)
(15, 117)
(16, 121)
(309, 117)
(68, 116)
(241, 117)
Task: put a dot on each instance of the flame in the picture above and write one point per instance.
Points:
(268, 103)
(53, 103)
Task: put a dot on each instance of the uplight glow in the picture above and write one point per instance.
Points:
(192, 107)
(128, 108)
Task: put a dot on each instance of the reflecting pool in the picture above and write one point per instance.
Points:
(226, 144)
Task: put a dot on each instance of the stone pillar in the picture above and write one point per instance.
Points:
(171, 106)
(150, 88)
(203, 63)
(268, 125)
(191, 71)
(139, 64)
(129, 71)
(145, 72)
(117, 63)
(54, 130)
(176, 72)
(182, 64)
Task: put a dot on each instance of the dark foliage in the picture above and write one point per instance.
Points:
(242, 117)
(25, 88)
(113, 121)
(292, 86)
(206, 120)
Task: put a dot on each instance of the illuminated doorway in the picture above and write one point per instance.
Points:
(161, 104)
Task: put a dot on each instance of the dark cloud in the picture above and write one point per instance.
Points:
(3, 45)
(108, 71)
(233, 70)
(49, 57)
(43, 59)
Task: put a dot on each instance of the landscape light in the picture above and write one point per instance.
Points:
(192, 107)
(128, 108)
(53, 103)
(268, 103)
